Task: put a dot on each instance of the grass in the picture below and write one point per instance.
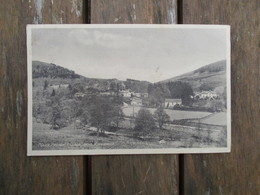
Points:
(216, 119)
(219, 118)
(71, 138)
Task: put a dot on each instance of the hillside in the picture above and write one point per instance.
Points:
(136, 85)
(209, 77)
(44, 70)
(57, 75)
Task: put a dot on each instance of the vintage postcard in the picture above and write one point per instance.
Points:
(128, 89)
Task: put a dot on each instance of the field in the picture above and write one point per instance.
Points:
(174, 114)
(216, 119)
(71, 138)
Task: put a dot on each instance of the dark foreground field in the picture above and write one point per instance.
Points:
(175, 136)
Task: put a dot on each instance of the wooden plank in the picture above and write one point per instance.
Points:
(133, 12)
(134, 174)
(20, 174)
(237, 172)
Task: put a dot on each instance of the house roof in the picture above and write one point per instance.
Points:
(206, 92)
(79, 93)
(136, 99)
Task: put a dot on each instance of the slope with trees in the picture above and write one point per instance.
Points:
(211, 76)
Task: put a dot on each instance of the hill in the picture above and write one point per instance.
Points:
(49, 70)
(209, 77)
(136, 85)
(57, 75)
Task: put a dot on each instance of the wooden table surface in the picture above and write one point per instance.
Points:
(237, 172)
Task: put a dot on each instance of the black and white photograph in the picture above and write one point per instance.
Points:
(128, 89)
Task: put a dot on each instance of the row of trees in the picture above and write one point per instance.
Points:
(146, 121)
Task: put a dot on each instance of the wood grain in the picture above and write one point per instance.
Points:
(134, 174)
(234, 173)
(237, 172)
(133, 12)
(20, 174)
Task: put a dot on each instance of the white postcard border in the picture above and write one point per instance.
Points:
(31, 152)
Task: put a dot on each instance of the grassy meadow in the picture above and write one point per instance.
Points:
(172, 136)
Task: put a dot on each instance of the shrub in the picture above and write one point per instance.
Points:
(144, 121)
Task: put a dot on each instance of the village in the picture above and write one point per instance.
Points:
(139, 99)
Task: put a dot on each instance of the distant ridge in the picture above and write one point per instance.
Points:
(52, 71)
(211, 76)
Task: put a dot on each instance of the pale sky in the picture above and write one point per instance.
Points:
(151, 54)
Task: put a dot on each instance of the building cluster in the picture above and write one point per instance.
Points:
(206, 95)
(136, 99)
(129, 93)
(171, 103)
(79, 95)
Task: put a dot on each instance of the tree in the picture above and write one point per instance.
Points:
(206, 87)
(157, 94)
(224, 95)
(161, 116)
(53, 93)
(45, 85)
(56, 113)
(37, 108)
(70, 93)
(181, 90)
(144, 121)
(98, 116)
(112, 86)
(187, 95)
(104, 113)
(117, 116)
(85, 116)
(150, 88)
(77, 87)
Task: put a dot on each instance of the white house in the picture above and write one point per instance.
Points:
(125, 93)
(79, 94)
(140, 95)
(59, 86)
(170, 103)
(107, 93)
(137, 94)
(206, 95)
(136, 101)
